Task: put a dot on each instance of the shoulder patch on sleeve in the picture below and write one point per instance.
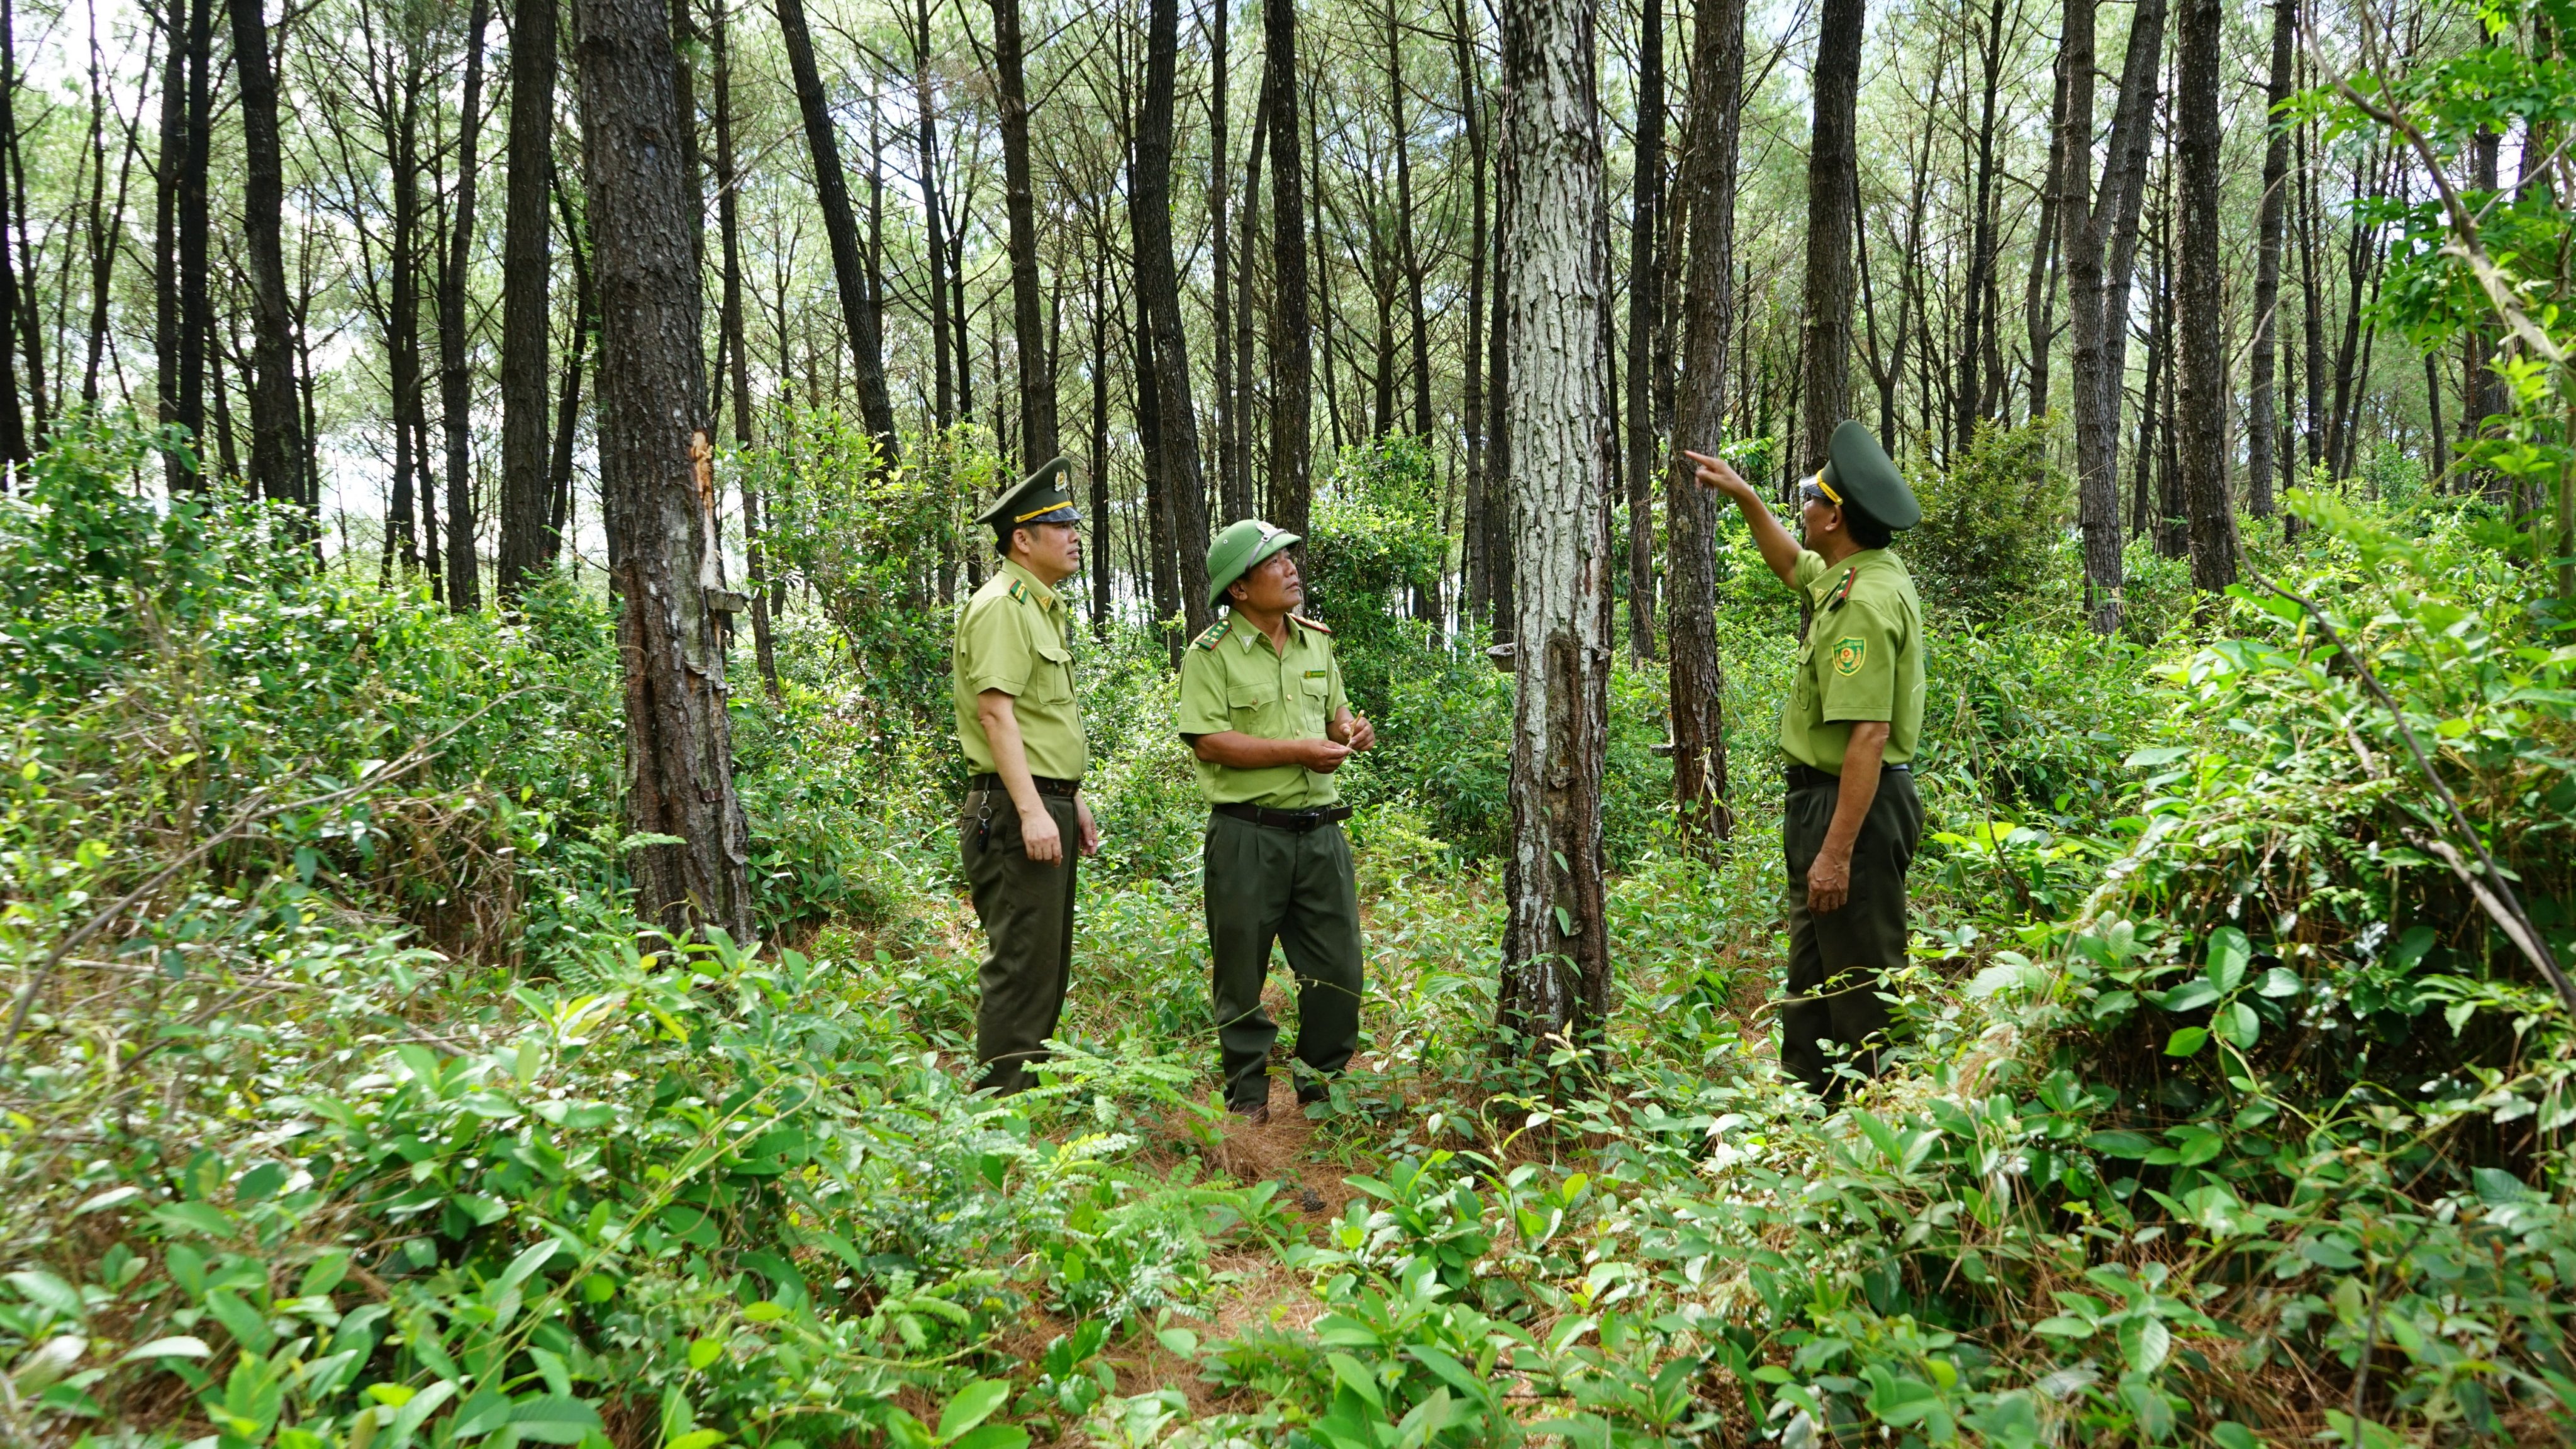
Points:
(1311, 624)
(1213, 635)
(1850, 653)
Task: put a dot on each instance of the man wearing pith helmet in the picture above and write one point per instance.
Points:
(1024, 817)
(1856, 706)
(1262, 708)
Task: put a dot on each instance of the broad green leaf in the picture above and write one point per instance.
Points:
(181, 1346)
(2185, 1041)
(2280, 981)
(2063, 1326)
(971, 1406)
(2229, 951)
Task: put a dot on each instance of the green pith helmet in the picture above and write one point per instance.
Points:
(1238, 549)
(1859, 474)
(1038, 498)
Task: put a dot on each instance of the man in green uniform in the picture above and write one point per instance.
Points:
(1849, 728)
(1263, 710)
(1012, 683)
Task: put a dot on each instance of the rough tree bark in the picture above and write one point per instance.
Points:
(1707, 199)
(2261, 406)
(730, 325)
(1037, 382)
(276, 429)
(1645, 304)
(655, 482)
(196, 315)
(526, 546)
(1292, 407)
(1184, 484)
(1833, 173)
(455, 396)
(2101, 245)
(859, 312)
(1471, 405)
(1556, 949)
(2198, 301)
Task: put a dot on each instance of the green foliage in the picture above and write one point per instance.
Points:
(1991, 521)
(1373, 567)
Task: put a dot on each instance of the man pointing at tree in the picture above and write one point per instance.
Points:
(1852, 818)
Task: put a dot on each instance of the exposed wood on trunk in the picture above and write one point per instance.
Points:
(656, 482)
(1556, 953)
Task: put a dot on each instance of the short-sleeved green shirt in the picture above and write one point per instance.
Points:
(1011, 638)
(1233, 679)
(1862, 659)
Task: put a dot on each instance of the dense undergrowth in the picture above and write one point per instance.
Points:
(347, 1107)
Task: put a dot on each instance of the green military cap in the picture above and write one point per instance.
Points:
(1038, 498)
(1237, 549)
(1859, 474)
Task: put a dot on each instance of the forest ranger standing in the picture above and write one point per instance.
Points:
(1852, 818)
(1262, 709)
(1012, 683)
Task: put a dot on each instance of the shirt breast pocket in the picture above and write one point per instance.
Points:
(1051, 682)
(1246, 702)
(1313, 693)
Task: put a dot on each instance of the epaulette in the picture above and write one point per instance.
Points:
(1843, 594)
(1019, 591)
(1311, 624)
(1213, 634)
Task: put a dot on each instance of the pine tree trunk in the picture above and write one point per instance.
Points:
(1229, 406)
(168, 161)
(655, 480)
(1556, 952)
(525, 549)
(1833, 172)
(402, 332)
(2040, 303)
(2101, 237)
(1157, 287)
(1972, 400)
(1471, 405)
(15, 317)
(1707, 197)
(277, 434)
(859, 311)
(1292, 408)
(2199, 301)
(1241, 498)
(2261, 407)
(196, 304)
(1645, 304)
(464, 581)
(568, 402)
(730, 324)
(1037, 383)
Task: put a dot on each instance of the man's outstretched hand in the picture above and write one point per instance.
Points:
(1719, 474)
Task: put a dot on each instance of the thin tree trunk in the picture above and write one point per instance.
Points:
(1098, 557)
(2101, 233)
(860, 309)
(277, 441)
(1037, 381)
(1556, 952)
(568, 403)
(196, 309)
(464, 581)
(2040, 305)
(737, 348)
(1158, 288)
(1292, 408)
(654, 475)
(1221, 315)
(2260, 405)
(1645, 304)
(168, 160)
(1833, 171)
(1408, 251)
(17, 315)
(526, 546)
(1979, 327)
(1241, 499)
(1158, 489)
(1471, 405)
(1707, 197)
(2199, 293)
(1499, 559)
(926, 157)
(402, 340)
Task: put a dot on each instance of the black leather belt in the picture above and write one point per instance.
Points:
(1297, 820)
(1808, 777)
(1047, 785)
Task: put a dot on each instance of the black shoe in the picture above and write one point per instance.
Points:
(1309, 1093)
(1256, 1113)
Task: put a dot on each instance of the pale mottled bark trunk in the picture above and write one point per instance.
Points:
(655, 480)
(1556, 943)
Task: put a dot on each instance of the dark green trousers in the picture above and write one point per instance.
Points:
(1296, 888)
(1027, 911)
(1836, 957)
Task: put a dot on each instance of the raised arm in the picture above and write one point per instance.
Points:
(1779, 550)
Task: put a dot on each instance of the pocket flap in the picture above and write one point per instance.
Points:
(1249, 696)
(1052, 650)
